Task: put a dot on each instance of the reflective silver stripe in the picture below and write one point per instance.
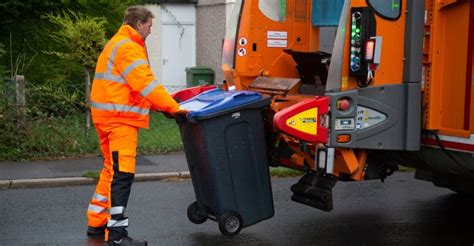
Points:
(110, 64)
(110, 77)
(97, 209)
(120, 108)
(119, 223)
(100, 198)
(117, 210)
(149, 88)
(133, 66)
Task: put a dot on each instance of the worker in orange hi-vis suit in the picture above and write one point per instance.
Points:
(124, 91)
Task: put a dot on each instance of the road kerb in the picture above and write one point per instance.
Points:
(156, 176)
(74, 181)
(185, 175)
(4, 184)
(50, 182)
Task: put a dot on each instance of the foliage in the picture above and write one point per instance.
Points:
(53, 138)
(405, 169)
(92, 175)
(30, 43)
(82, 36)
(22, 63)
(30, 31)
(46, 101)
(6, 99)
(3, 77)
(3, 70)
(285, 172)
(162, 137)
(2, 50)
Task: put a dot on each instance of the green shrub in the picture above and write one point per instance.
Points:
(46, 101)
(55, 137)
(162, 137)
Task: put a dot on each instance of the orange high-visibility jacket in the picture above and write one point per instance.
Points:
(124, 88)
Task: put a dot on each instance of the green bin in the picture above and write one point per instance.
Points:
(196, 76)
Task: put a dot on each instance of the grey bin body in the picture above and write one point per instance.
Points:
(227, 159)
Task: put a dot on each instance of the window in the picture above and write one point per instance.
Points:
(388, 9)
(273, 9)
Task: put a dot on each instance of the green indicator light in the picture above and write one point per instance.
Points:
(395, 4)
(357, 30)
(353, 26)
(353, 34)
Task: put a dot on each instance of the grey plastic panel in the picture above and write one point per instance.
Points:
(327, 35)
(352, 96)
(413, 41)
(387, 9)
(398, 131)
(413, 116)
(390, 133)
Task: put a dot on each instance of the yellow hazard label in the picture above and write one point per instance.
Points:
(306, 121)
(344, 82)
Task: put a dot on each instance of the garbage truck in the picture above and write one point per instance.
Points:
(348, 90)
(359, 87)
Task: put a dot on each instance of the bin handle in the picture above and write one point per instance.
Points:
(244, 93)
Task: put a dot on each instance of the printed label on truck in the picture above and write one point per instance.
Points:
(277, 35)
(367, 117)
(277, 43)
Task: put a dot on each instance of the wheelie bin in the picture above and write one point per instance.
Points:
(224, 140)
(188, 93)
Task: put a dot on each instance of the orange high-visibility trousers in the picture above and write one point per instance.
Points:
(118, 143)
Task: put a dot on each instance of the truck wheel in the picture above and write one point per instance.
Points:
(194, 215)
(230, 224)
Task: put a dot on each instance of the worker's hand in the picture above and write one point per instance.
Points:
(173, 115)
(180, 115)
(180, 112)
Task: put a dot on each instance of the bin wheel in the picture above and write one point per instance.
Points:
(194, 215)
(230, 224)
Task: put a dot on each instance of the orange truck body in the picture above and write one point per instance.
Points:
(436, 62)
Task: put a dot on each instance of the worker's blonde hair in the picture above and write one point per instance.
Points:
(136, 13)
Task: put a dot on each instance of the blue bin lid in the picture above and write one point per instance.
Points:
(216, 100)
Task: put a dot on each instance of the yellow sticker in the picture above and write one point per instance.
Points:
(344, 82)
(306, 121)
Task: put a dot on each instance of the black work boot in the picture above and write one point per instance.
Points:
(96, 231)
(125, 241)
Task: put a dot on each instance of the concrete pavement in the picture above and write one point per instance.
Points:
(70, 171)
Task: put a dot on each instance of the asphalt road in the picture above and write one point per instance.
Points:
(401, 211)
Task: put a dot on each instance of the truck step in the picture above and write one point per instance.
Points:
(315, 189)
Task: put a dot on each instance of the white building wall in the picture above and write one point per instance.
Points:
(178, 49)
(211, 19)
(153, 41)
(172, 43)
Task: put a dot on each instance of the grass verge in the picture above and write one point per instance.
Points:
(65, 138)
(285, 172)
(404, 169)
(92, 174)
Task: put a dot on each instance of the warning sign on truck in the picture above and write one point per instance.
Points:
(277, 43)
(277, 35)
